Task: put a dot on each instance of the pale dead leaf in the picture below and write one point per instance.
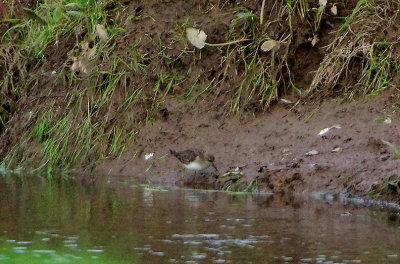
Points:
(87, 51)
(197, 37)
(286, 101)
(334, 10)
(75, 14)
(314, 41)
(270, 45)
(322, 3)
(79, 65)
(101, 32)
(72, 6)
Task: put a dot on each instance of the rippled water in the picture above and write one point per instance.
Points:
(70, 222)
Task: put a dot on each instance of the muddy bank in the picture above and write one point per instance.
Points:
(78, 99)
(272, 147)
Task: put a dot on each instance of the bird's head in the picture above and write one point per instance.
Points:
(210, 158)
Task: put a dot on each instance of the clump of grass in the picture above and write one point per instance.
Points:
(354, 44)
(79, 127)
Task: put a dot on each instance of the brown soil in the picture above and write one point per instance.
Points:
(267, 144)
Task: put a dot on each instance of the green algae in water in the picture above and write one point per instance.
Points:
(40, 252)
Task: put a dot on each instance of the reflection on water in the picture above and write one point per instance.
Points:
(69, 222)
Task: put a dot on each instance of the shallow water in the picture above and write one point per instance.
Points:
(70, 222)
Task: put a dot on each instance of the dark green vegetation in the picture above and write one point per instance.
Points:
(81, 77)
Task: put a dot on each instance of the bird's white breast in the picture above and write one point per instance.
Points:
(197, 164)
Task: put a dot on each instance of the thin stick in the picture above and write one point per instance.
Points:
(262, 12)
(227, 43)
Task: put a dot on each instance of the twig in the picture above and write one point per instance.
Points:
(227, 43)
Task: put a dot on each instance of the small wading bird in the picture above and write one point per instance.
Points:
(194, 159)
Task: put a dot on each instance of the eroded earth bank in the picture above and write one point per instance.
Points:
(106, 88)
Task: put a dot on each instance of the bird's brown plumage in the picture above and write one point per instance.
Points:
(190, 155)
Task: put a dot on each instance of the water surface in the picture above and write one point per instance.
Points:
(71, 222)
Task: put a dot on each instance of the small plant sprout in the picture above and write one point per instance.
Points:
(198, 38)
(393, 149)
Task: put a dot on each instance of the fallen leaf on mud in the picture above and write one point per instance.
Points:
(101, 32)
(337, 149)
(312, 153)
(334, 10)
(326, 130)
(197, 37)
(285, 101)
(270, 45)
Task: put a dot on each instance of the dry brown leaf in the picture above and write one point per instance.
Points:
(270, 45)
(197, 37)
(3, 9)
